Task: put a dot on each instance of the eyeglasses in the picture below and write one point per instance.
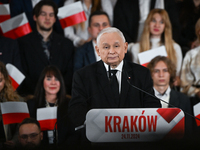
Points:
(32, 136)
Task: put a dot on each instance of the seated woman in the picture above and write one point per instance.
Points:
(7, 93)
(157, 32)
(50, 92)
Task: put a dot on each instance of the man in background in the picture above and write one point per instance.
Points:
(163, 73)
(45, 47)
(30, 135)
(86, 54)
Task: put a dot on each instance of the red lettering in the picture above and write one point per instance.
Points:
(133, 124)
(152, 123)
(117, 121)
(125, 124)
(142, 124)
(107, 123)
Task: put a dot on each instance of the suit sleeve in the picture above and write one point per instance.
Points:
(78, 106)
(25, 87)
(69, 68)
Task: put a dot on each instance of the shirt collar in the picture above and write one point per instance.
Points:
(167, 92)
(119, 67)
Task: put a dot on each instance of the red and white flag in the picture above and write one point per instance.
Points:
(4, 12)
(16, 76)
(196, 109)
(71, 14)
(147, 56)
(47, 118)
(16, 27)
(14, 112)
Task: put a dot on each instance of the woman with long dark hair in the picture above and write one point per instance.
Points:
(50, 92)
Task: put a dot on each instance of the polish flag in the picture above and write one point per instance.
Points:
(14, 112)
(47, 118)
(16, 27)
(16, 76)
(147, 56)
(4, 12)
(71, 14)
(196, 109)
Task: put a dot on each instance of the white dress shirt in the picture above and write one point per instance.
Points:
(165, 97)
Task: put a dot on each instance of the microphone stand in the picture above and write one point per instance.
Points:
(157, 98)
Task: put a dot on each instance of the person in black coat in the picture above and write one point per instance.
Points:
(91, 84)
(45, 47)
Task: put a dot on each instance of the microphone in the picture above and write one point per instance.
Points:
(128, 80)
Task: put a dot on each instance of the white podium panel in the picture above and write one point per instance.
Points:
(138, 125)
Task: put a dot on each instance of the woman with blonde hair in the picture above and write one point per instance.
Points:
(157, 32)
(8, 133)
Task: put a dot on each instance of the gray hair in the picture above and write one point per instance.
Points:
(110, 30)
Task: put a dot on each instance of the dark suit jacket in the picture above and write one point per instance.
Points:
(182, 101)
(91, 90)
(9, 52)
(34, 59)
(20, 6)
(84, 56)
(127, 16)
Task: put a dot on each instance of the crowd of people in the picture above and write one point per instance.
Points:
(76, 68)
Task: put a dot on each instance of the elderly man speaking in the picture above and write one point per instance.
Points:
(104, 84)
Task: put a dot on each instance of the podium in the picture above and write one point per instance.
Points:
(134, 125)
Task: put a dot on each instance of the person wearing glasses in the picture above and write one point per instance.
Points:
(30, 135)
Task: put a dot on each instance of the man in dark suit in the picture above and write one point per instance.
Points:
(86, 54)
(163, 73)
(127, 17)
(92, 85)
(44, 47)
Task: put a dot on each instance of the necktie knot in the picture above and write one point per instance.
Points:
(113, 72)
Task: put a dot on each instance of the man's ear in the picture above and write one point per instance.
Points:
(41, 135)
(89, 30)
(34, 18)
(125, 47)
(97, 50)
